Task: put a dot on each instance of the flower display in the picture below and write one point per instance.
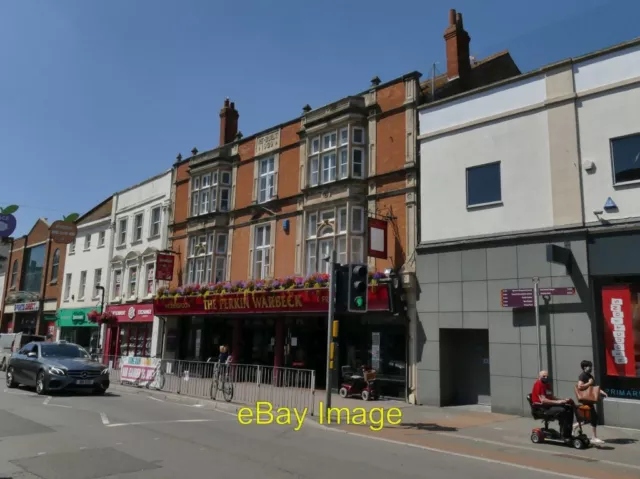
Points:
(312, 281)
(93, 316)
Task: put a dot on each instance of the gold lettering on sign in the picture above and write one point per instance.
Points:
(252, 301)
(267, 143)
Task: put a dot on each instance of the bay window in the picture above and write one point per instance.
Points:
(344, 231)
(207, 258)
(334, 156)
(210, 192)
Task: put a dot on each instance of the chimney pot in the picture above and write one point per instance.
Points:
(232, 106)
(452, 16)
(226, 102)
(459, 20)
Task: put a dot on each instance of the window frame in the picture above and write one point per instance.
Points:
(102, 239)
(117, 283)
(97, 279)
(150, 271)
(134, 283)
(153, 223)
(123, 225)
(468, 169)
(87, 242)
(67, 286)
(208, 185)
(612, 142)
(55, 266)
(14, 274)
(262, 231)
(138, 227)
(82, 285)
(269, 175)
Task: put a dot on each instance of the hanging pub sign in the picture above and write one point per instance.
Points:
(164, 266)
(377, 238)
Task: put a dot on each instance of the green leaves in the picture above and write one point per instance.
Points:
(9, 210)
(70, 218)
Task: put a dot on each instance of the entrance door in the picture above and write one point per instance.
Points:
(464, 367)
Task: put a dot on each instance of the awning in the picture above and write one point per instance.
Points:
(75, 318)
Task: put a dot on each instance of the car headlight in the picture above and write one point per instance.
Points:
(105, 372)
(57, 371)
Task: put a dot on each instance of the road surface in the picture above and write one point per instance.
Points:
(128, 435)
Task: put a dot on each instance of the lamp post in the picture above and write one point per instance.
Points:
(101, 289)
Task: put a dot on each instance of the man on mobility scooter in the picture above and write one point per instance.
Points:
(546, 407)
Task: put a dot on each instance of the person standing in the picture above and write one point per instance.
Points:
(585, 381)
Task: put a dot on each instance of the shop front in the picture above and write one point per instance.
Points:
(76, 327)
(284, 328)
(615, 277)
(26, 317)
(129, 330)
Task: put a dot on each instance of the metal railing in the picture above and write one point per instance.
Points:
(251, 383)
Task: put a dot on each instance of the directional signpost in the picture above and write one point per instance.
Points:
(528, 298)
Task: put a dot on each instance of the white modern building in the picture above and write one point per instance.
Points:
(547, 158)
(139, 223)
(85, 268)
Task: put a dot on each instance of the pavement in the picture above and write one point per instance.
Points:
(136, 433)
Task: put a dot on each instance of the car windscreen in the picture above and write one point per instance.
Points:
(62, 351)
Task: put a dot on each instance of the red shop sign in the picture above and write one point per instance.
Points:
(618, 330)
(164, 267)
(126, 313)
(291, 301)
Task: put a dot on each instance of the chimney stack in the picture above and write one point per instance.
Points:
(228, 122)
(457, 43)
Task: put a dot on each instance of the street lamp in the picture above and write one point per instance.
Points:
(101, 289)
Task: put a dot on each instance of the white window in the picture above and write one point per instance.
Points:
(133, 281)
(87, 242)
(151, 270)
(199, 270)
(137, 227)
(101, 239)
(155, 222)
(262, 252)
(122, 232)
(205, 258)
(72, 247)
(266, 178)
(221, 244)
(336, 155)
(206, 194)
(117, 283)
(97, 280)
(82, 286)
(345, 234)
(220, 273)
(67, 286)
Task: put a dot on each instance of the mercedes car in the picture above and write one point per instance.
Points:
(60, 366)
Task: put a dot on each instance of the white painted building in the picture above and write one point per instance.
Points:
(551, 157)
(139, 222)
(85, 268)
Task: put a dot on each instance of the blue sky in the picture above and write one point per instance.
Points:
(98, 95)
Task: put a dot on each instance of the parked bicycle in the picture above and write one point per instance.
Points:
(222, 381)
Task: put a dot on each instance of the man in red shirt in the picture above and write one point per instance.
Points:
(542, 394)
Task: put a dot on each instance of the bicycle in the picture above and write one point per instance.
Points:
(222, 381)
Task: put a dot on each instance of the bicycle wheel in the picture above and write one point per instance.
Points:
(227, 391)
(214, 388)
(159, 382)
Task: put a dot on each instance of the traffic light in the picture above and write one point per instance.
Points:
(358, 286)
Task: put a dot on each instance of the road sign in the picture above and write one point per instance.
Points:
(557, 291)
(517, 298)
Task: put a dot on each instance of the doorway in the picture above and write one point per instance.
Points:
(465, 377)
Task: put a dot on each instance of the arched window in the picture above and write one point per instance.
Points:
(55, 265)
(14, 274)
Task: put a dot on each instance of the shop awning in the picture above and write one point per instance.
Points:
(75, 318)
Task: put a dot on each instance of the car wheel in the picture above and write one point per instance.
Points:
(41, 389)
(10, 382)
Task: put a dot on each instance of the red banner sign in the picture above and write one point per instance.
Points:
(164, 266)
(618, 330)
(377, 247)
(291, 301)
(126, 313)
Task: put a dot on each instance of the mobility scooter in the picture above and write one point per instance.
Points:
(578, 439)
(362, 384)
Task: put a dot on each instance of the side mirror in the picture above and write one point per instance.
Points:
(32, 355)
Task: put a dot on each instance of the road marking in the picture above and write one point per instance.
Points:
(46, 401)
(118, 444)
(61, 405)
(18, 393)
(456, 454)
(197, 405)
(82, 448)
(155, 399)
(160, 422)
(41, 453)
(105, 419)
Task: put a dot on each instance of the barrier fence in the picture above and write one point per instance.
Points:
(247, 383)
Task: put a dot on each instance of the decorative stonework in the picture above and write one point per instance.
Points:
(267, 143)
(326, 193)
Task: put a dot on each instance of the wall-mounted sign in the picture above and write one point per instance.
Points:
(63, 232)
(267, 143)
(134, 312)
(377, 238)
(617, 310)
(610, 204)
(164, 266)
(27, 307)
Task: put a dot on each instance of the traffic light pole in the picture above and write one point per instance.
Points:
(332, 297)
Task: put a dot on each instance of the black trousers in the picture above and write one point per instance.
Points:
(565, 416)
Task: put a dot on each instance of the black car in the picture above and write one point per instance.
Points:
(56, 367)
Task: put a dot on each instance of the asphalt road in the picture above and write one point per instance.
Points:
(130, 435)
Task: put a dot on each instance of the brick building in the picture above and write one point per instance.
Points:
(33, 282)
(258, 214)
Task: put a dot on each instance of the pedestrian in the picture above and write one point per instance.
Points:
(542, 395)
(585, 381)
(49, 338)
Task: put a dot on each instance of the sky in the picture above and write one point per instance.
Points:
(96, 96)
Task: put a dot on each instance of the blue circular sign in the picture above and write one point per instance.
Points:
(7, 225)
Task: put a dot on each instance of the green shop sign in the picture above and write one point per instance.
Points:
(75, 318)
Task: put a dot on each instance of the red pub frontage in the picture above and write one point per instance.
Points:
(280, 327)
(129, 330)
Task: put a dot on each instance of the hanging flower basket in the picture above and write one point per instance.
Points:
(93, 316)
(107, 318)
